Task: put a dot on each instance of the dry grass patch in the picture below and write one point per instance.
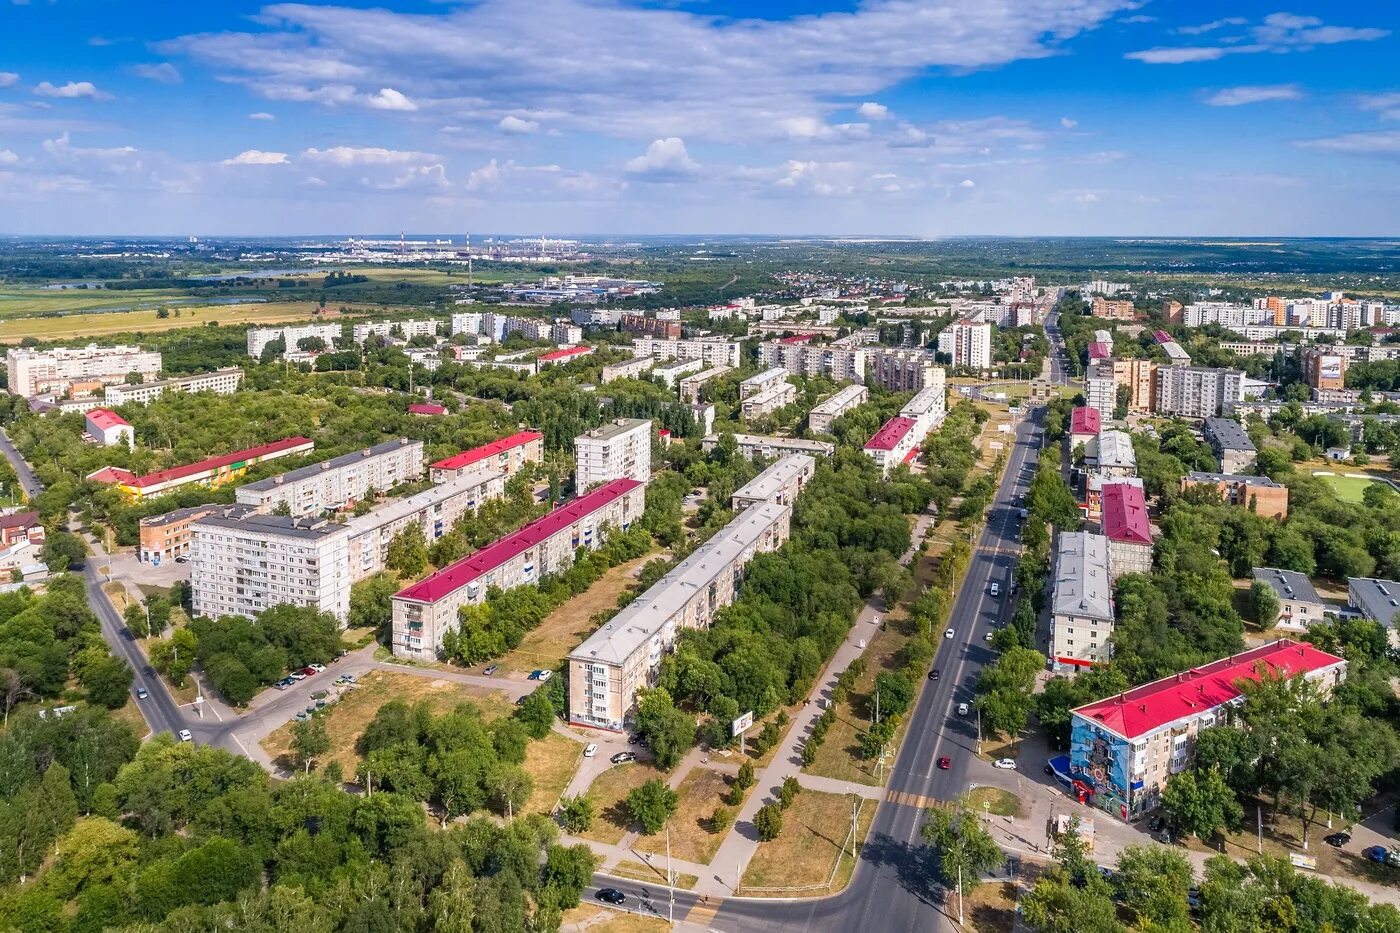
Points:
(692, 838)
(655, 873)
(839, 755)
(131, 715)
(805, 852)
(562, 630)
(1283, 836)
(997, 801)
(990, 907)
(346, 719)
(609, 793)
(551, 762)
(594, 919)
(105, 323)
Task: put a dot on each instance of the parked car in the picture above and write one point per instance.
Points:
(987, 637)
(318, 668)
(535, 674)
(284, 683)
(634, 739)
(545, 675)
(622, 758)
(490, 669)
(141, 693)
(186, 735)
(1375, 853)
(181, 559)
(945, 763)
(996, 589)
(962, 709)
(1005, 764)
(611, 896)
(1337, 840)
(590, 750)
(296, 675)
(309, 670)
(948, 633)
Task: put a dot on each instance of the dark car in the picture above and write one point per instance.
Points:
(621, 758)
(1337, 840)
(945, 763)
(634, 739)
(611, 896)
(933, 674)
(1374, 853)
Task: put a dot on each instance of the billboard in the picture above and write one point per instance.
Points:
(742, 724)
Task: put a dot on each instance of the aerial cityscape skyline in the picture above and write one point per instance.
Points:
(875, 118)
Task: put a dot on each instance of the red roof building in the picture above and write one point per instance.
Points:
(890, 434)
(507, 455)
(212, 472)
(896, 442)
(107, 427)
(1162, 336)
(1084, 420)
(1098, 350)
(1125, 514)
(426, 409)
(563, 356)
(797, 338)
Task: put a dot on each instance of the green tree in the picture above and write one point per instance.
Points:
(962, 844)
(134, 617)
(107, 681)
(576, 813)
(408, 554)
(310, 741)
(1263, 604)
(768, 821)
(651, 804)
(1153, 882)
(667, 731)
(508, 786)
(1200, 803)
(536, 714)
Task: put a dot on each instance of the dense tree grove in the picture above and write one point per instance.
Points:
(239, 656)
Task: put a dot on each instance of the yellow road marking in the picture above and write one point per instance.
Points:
(702, 913)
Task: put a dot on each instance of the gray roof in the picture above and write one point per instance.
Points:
(1226, 434)
(616, 429)
(647, 615)
(310, 529)
(1198, 476)
(1082, 585)
(335, 463)
(766, 484)
(839, 399)
(1288, 584)
(774, 442)
(768, 375)
(1115, 449)
(1377, 599)
(402, 508)
(178, 515)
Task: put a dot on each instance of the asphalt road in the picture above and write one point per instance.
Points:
(27, 479)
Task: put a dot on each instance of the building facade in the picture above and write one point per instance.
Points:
(168, 536)
(1100, 389)
(1232, 446)
(627, 369)
(1259, 494)
(1126, 526)
(762, 382)
(1298, 601)
(1197, 391)
(769, 446)
(243, 566)
(690, 386)
(828, 410)
(768, 401)
(507, 456)
(1085, 423)
(841, 364)
(339, 482)
(1324, 368)
(220, 382)
(622, 657)
(260, 337)
(714, 352)
(967, 343)
(1140, 377)
(902, 370)
(433, 511)
(674, 372)
(1377, 600)
(79, 370)
(213, 472)
(423, 612)
(108, 428)
(1081, 610)
(613, 451)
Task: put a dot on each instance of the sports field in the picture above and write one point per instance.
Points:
(1349, 488)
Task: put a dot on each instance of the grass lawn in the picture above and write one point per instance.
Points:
(1001, 802)
(97, 324)
(691, 836)
(346, 719)
(131, 715)
(805, 852)
(594, 919)
(654, 873)
(991, 907)
(609, 793)
(563, 629)
(1349, 488)
(551, 762)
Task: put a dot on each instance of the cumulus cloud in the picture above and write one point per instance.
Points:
(967, 183)
(664, 158)
(8, 79)
(257, 157)
(349, 155)
(261, 115)
(1067, 123)
(7, 157)
(164, 72)
(1277, 32)
(1387, 104)
(873, 111)
(72, 89)
(513, 124)
(1253, 94)
(390, 99)
(1383, 144)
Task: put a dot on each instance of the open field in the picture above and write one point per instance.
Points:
(18, 300)
(592, 918)
(994, 800)
(13, 330)
(346, 719)
(691, 836)
(563, 629)
(609, 793)
(805, 852)
(1349, 488)
(551, 763)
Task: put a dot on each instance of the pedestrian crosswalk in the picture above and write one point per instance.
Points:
(703, 911)
(906, 799)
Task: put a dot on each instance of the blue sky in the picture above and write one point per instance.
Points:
(909, 117)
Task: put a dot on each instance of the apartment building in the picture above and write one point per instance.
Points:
(1324, 368)
(1082, 603)
(1197, 391)
(627, 369)
(507, 456)
(756, 385)
(1233, 316)
(673, 373)
(902, 370)
(167, 536)
(894, 444)
(704, 415)
(424, 611)
(1112, 310)
(406, 330)
(712, 351)
(819, 420)
(565, 355)
(434, 511)
(769, 446)
(260, 337)
(1377, 600)
(622, 657)
(768, 401)
(1140, 376)
(1085, 423)
(967, 343)
(613, 451)
(841, 364)
(1298, 600)
(79, 370)
(339, 482)
(650, 326)
(1124, 748)
(220, 382)
(243, 566)
(1232, 446)
(780, 484)
(1259, 494)
(1112, 455)
(690, 386)
(1126, 526)
(466, 322)
(108, 428)
(1100, 389)
(927, 408)
(213, 472)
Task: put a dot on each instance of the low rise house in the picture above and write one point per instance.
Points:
(1259, 494)
(1085, 423)
(1377, 600)
(1232, 446)
(1299, 603)
(109, 428)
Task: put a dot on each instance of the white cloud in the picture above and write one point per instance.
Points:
(164, 72)
(664, 158)
(1382, 144)
(1067, 123)
(1388, 104)
(513, 124)
(257, 157)
(8, 79)
(1179, 56)
(261, 115)
(70, 90)
(1277, 32)
(1253, 94)
(873, 111)
(967, 183)
(390, 99)
(7, 157)
(349, 155)
(484, 177)
(1212, 26)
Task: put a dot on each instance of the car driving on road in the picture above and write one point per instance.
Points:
(948, 633)
(611, 896)
(1006, 764)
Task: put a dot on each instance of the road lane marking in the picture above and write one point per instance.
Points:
(701, 913)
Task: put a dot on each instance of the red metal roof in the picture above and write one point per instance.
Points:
(797, 338)
(426, 408)
(1162, 336)
(215, 463)
(455, 576)
(1085, 420)
(19, 520)
(468, 457)
(553, 355)
(1125, 514)
(111, 474)
(1098, 350)
(1188, 693)
(890, 434)
(106, 419)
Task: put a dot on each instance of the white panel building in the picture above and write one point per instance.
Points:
(614, 451)
(339, 482)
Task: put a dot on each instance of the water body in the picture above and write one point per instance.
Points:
(258, 274)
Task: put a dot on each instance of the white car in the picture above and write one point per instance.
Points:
(186, 735)
(948, 633)
(591, 750)
(875, 619)
(962, 709)
(545, 675)
(1006, 764)
(996, 589)
(318, 668)
(987, 637)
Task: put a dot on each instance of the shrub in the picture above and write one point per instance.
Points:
(768, 821)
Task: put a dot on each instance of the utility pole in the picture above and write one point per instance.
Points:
(979, 730)
(670, 876)
(960, 898)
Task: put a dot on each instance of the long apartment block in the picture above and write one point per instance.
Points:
(220, 382)
(509, 455)
(780, 484)
(821, 417)
(339, 482)
(434, 511)
(425, 611)
(260, 337)
(842, 364)
(763, 445)
(762, 382)
(214, 471)
(713, 352)
(607, 670)
(79, 369)
(690, 385)
(768, 401)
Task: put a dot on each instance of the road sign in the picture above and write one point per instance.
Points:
(742, 724)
